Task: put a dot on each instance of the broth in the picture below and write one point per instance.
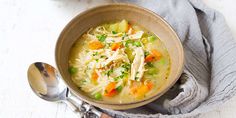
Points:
(119, 62)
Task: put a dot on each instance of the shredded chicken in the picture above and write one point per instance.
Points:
(137, 35)
(113, 39)
(119, 55)
(137, 67)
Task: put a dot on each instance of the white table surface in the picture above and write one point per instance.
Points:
(28, 32)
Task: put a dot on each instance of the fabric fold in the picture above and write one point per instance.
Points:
(209, 76)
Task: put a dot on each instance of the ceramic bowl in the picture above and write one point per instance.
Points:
(113, 12)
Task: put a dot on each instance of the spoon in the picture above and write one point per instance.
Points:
(47, 84)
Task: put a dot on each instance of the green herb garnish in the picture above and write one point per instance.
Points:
(149, 64)
(113, 32)
(102, 56)
(108, 73)
(102, 37)
(119, 77)
(124, 35)
(126, 66)
(95, 54)
(146, 53)
(119, 88)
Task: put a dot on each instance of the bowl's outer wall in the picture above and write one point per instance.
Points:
(113, 12)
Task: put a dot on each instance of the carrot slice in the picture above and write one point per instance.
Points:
(111, 94)
(115, 46)
(141, 91)
(111, 86)
(150, 58)
(94, 76)
(94, 45)
(156, 53)
(149, 85)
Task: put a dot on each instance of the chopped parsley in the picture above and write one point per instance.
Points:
(102, 37)
(118, 77)
(124, 35)
(108, 73)
(126, 66)
(95, 54)
(102, 56)
(113, 32)
(146, 53)
(119, 88)
(149, 64)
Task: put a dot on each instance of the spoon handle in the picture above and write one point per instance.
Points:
(88, 108)
(74, 109)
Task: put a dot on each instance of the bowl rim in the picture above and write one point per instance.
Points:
(153, 97)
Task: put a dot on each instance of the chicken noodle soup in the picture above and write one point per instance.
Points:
(119, 62)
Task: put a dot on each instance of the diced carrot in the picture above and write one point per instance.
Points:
(94, 76)
(156, 53)
(149, 85)
(111, 86)
(150, 58)
(94, 45)
(111, 93)
(110, 90)
(141, 91)
(115, 46)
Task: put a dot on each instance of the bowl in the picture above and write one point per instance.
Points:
(113, 12)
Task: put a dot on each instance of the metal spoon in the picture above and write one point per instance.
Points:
(46, 83)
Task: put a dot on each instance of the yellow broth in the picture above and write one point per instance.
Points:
(119, 62)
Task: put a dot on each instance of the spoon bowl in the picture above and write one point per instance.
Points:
(46, 83)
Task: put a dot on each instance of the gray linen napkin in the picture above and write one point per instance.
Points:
(209, 73)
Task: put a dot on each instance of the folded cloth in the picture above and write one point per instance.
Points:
(209, 76)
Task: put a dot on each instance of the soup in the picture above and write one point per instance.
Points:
(119, 62)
